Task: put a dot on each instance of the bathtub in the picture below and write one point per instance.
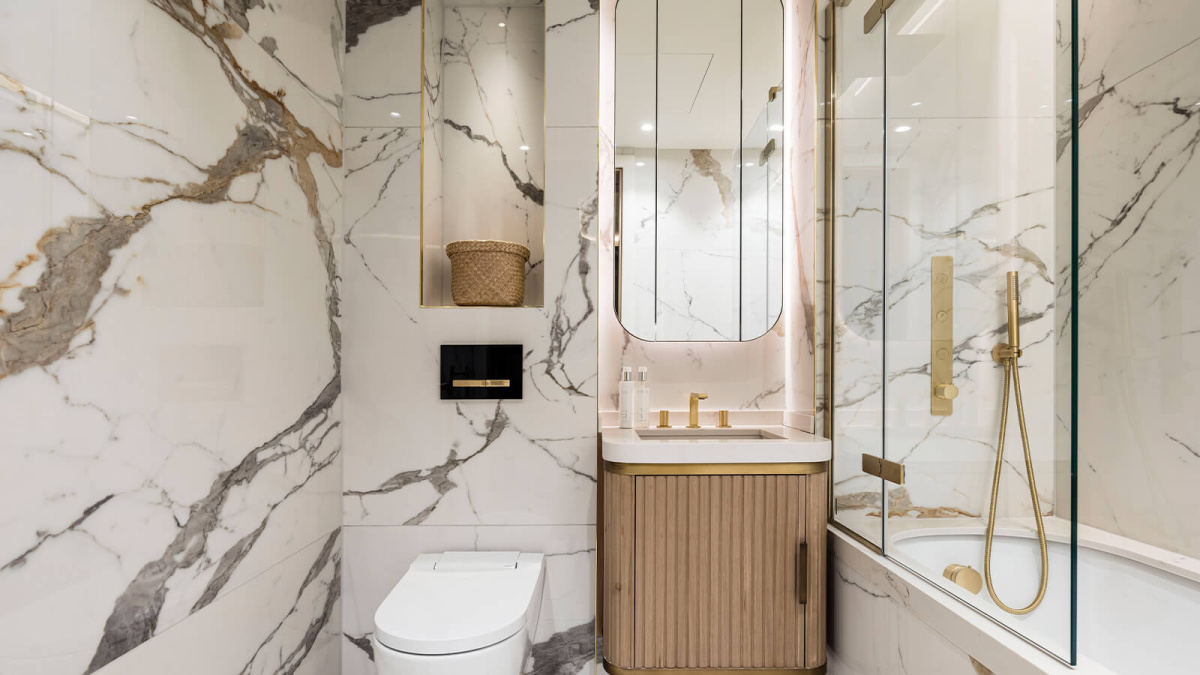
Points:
(1138, 606)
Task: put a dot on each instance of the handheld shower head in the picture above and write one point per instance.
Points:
(1014, 314)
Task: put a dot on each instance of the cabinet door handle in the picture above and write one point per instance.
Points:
(802, 573)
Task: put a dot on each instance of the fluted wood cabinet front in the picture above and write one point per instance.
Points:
(714, 571)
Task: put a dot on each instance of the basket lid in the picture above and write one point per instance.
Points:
(487, 246)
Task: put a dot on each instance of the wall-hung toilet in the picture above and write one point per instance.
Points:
(469, 613)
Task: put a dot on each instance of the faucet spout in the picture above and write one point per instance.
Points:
(694, 410)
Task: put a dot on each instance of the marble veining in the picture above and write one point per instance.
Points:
(382, 96)
(1139, 109)
(467, 475)
(172, 460)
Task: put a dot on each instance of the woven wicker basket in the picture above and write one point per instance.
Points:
(487, 273)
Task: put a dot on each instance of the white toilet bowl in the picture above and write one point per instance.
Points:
(470, 613)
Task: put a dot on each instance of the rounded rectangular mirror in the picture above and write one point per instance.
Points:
(699, 184)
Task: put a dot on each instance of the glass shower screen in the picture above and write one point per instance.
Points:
(948, 176)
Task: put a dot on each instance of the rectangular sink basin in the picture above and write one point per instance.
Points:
(686, 434)
(710, 445)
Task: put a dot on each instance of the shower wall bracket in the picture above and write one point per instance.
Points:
(942, 391)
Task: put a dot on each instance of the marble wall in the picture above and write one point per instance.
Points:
(775, 371)
(170, 353)
(1139, 327)
(424, 475)
(961, 162)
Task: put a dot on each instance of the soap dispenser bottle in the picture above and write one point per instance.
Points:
(641, 400)
(625, 398)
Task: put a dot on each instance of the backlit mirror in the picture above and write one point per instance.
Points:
(699, 122)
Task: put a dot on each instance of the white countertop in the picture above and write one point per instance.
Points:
(788, 446)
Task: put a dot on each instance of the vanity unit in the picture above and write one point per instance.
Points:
(713, 550)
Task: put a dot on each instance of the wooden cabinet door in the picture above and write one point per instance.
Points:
(714, 571)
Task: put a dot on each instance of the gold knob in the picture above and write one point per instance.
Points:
(664, 419)
(723, 420)
(946, 392)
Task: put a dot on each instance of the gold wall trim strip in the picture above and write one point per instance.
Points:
(617, 670)
(745, 469)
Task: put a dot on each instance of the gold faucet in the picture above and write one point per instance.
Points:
(694, 410)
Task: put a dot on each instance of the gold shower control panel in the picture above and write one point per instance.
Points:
(942, 391)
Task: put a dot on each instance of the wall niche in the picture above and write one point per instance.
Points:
(483, 135)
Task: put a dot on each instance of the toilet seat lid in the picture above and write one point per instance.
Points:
(459, 602)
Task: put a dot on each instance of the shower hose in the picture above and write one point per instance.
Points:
(1010, 375)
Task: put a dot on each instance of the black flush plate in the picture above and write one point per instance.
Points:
(482, 371)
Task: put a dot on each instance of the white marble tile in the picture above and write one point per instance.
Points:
(383, 63)
(305, 37)
(1137, 317)
(377, 557)
(170, 351)
(288, 620)
(459, 463)
(572, 34)
(1123, 39)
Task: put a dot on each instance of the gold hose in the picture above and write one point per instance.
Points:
(1008, 354)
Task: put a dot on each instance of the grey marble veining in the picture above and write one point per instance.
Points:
(466, 475)
(1139, 107)
(172, 460)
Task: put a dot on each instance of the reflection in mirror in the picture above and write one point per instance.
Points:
(699, 161)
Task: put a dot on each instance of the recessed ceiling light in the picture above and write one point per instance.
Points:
(917, 104)
(903, 128)
(639, 164)
(524, 147)
(1196, 104)
(776, 127)
(26, 133)
(647, 127)
(749, 163)
(501, 24)
(131, 118)
(394, 114)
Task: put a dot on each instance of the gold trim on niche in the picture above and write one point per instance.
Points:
(742, 469)
(421, 205)
(617, 670)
